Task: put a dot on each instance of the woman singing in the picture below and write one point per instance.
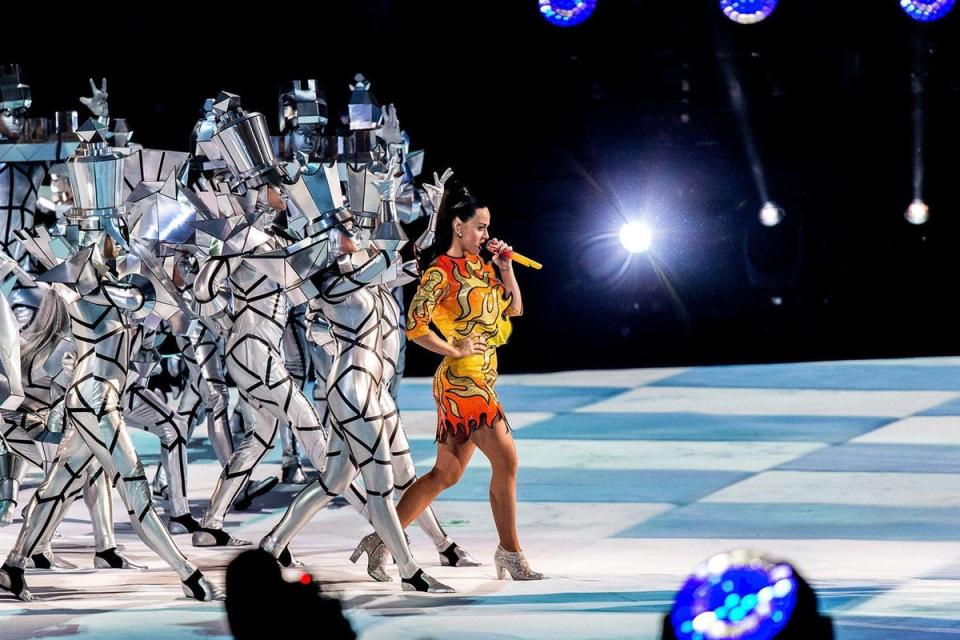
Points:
(462, 296)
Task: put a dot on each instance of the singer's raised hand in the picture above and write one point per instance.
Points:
(501, 253)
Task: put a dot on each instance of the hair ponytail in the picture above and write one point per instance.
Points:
(457, 203)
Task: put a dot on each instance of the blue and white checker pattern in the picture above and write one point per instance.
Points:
(628, 478)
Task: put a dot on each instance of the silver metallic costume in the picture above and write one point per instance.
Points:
(249, 263)
(34, 430)
(100, 303)
(11, 388)
(27, 150)
(202, 349)
(303, 115)
(254, 355)
(377, 188)
(359, 442)
(144, 408)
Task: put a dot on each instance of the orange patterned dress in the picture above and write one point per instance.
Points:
(463, 298)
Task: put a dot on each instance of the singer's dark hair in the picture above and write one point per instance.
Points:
(458, 202)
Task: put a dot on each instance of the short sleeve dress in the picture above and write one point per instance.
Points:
(463, 298)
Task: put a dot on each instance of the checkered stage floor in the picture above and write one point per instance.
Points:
(628, 478)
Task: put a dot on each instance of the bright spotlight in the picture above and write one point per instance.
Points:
(748, 11)
(566, 13)
(917, 213)
(771, 214)
(635, 237)
(927, 10)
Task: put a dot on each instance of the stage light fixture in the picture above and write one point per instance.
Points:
(927, 11)
(566, 13)
(748, 11)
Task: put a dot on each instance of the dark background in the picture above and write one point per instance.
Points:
(568, 132)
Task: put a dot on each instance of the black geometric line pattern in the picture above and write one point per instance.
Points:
(350, 302)
(96, 431)
(254, 359)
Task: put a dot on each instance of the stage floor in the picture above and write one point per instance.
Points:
(629, 478)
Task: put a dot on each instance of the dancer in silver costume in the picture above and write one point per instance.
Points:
(254, 355)
(20, 180)
(144, 408)
(35, 429)
(303, 115)
(11, 388)
(359, 442)
(376, 188)
(206, 173)
(202, 343)
(404, 471)
(100, 305)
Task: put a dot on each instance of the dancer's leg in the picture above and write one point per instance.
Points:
(147, 410)
(54, 496)
(93, 407)
(207, 349)
(254, 447)
(337, 473)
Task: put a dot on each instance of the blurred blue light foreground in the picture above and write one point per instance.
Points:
(735, 595)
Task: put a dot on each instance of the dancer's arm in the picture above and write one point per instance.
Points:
(210, 293)
(11, 390)
(356, 270)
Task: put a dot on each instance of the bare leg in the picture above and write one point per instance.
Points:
(452, 460)
(498, 446)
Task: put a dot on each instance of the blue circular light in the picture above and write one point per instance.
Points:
(746, 597)
(927, 10)
(566, 13)
(748, 11)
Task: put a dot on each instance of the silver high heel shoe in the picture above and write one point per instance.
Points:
(376, 557)
(515, 564)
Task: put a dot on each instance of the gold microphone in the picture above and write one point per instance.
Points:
(521, 259)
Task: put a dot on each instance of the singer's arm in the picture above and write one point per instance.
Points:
(457, 349)
(433, 287)
(509, 279)
(507, 276)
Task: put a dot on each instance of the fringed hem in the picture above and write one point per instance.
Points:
(461, 431)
